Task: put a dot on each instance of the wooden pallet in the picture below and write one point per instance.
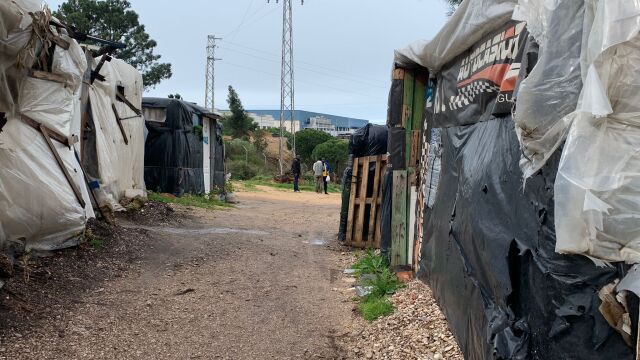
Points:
(364, 220)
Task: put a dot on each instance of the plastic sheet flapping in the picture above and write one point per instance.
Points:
(369, 140)
(550, 92)
(433, 166)
(470, 23)
(38, 208)
(598, 184)
(173, 152)
(120, 165)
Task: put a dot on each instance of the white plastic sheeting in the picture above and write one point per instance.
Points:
(14, 35)
(598, 184)
(120, 165)
(38, 208)
(547, 98)
(471, 21)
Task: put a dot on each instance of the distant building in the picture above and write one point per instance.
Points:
(338, 126)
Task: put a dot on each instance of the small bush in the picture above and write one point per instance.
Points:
(241, 170)
(374, 307)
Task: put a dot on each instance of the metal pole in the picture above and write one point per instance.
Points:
(210, 72)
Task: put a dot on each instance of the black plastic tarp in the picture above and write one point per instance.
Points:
(173, 148)
(369, 140)
(489, 241)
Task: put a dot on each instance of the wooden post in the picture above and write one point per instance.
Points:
(352, 200)
(84, 101)
(362, 199)
(399, 219)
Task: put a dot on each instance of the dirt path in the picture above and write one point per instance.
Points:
(252, 282)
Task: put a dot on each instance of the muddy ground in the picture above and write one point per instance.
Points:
(252, 282)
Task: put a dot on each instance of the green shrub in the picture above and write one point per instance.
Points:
(241, 170)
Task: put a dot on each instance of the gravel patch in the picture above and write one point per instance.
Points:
(416, 330)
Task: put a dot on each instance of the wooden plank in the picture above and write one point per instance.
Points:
(407, 103)
(128, 103)
(53, 134)
(45, 133)
(47, 76)
(399, 219)
(414, 155)
(374, 201)
(352, 201)
(378, 230)
(363, 196)
(61, 42)
(413, 198)
(398, 74)
(119, 121)
(419, 99)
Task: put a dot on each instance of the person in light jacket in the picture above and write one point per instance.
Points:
(318, 168)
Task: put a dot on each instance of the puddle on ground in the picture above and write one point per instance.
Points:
(206, 231)
(318, 241)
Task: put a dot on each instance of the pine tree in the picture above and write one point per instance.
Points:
(115, 21)
(238, 123)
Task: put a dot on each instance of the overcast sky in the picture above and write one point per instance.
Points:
(343, 49)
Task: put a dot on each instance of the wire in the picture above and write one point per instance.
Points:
(301, 81)
(308, 69)
(297, 61)
(244, 17)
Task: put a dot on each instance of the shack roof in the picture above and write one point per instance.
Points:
(162, 103)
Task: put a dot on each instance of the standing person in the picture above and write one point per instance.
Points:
(318, 168)
(326, 170)
(295, 170)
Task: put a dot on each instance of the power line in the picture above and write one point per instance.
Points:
(301, 81)
(309, 69)
(298, 61)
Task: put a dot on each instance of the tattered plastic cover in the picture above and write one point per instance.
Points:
(471, 21)
(38, 208)
(15, 33)
(598, 183)
(120, 165)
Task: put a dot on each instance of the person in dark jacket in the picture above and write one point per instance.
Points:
(295, 170)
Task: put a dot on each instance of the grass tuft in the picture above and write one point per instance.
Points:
(383, 283)
(373, 307)
(188, 200)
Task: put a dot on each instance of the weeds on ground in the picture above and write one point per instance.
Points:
(209, 202)
(370, 263)
(382, 283)
(373, 307)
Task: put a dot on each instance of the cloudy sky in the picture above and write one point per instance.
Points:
(343, 49)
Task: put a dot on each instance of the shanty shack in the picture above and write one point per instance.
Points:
(184, 147)
(513, 167)
(69, 122)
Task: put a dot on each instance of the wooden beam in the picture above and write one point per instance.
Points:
(378, 229)
(44, 75)
(119, 121)
(128, 103)
(45, 133)
(61, 42)
(352, 201)
(399, 219)
(53, 134)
